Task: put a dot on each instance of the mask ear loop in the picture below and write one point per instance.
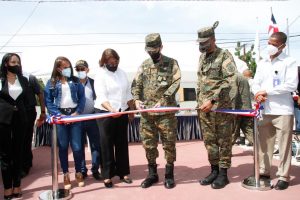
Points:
(280, 46)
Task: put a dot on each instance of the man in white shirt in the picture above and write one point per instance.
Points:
(275, 79)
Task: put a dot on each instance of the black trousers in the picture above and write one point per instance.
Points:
(27, 155)
(114, 146)
(11, 148)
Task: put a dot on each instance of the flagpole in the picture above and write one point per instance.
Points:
(288, 37)
(55, 193)
(288, 32)
(256, 182)
(271, 27)
(256, 44)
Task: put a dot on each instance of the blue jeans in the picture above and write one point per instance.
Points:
(297, 116)
(70, 134)
(90, 129)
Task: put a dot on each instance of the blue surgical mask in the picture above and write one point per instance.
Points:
(81, 74)
(66, 72)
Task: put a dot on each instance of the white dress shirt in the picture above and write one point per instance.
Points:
(279, 98)
(113, 87)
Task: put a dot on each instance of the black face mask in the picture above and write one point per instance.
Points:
(15, 69)
(204, 48)
(155, 56)
(111, 68)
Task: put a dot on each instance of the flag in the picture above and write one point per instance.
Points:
(273, 26)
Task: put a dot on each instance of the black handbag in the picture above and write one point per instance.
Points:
(6, 112)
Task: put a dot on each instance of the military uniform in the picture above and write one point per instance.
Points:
(216, 75)
(158, 83)
(243, 102)
(153, 83)
(215, 79)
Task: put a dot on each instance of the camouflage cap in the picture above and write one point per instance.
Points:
(81, 63)
(205, 33)
(153, 41)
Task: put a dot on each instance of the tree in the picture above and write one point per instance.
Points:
(248, 56)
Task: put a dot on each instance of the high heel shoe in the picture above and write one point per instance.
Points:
(108, 184)
(8, 197)
(8, 194)
(126, 179)
(17, 195)
(17, 192)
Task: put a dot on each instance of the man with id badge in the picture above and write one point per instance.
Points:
(275, 79)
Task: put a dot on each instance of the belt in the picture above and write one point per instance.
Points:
(67, 111)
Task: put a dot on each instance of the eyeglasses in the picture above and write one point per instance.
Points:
(80, 69)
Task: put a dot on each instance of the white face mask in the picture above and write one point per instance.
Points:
(66, 72)
(272, 50)
(82, 75)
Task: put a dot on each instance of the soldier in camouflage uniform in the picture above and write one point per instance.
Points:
(155, 85)
(216, 75)
(243, 102)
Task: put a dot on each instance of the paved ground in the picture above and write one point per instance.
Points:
(191, 165)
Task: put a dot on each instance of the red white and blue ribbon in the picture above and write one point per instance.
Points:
(59, 119)
(248, 113)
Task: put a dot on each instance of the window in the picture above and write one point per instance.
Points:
(189, 94)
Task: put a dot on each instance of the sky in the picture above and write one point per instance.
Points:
(81, 29)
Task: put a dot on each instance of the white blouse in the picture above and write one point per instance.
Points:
(113, 87)
(15, 89)
(66, 98)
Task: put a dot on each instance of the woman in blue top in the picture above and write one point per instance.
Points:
(64, 95)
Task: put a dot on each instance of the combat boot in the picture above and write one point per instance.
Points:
(211, 177)
(152, 176)
(169, 176)
(222, 179)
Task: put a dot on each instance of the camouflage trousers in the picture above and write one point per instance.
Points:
(217, 130)
(245, 124)
(154, 126)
